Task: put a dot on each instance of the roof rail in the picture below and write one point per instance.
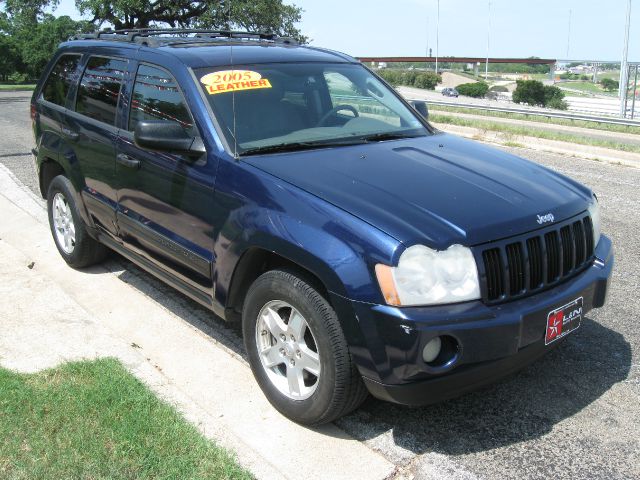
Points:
(149, 36)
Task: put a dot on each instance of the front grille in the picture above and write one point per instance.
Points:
(524, 265)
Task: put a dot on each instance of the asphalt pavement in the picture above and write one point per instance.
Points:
(573, 414)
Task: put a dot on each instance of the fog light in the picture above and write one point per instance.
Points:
(432, 350)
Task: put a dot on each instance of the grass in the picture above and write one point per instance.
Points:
(527, 131)
(26, 88)
(94, 420)
(585, 86)
(534, 118)
(513, 144)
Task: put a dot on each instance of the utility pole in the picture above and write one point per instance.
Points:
(437, 37)
(486, 65)
(427, 49)
(569, 35)
(622, 90)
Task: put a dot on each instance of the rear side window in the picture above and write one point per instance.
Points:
(156, 96)
(59, 82)
(100, 88)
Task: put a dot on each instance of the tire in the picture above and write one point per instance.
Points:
(326, 383)
(68, 229)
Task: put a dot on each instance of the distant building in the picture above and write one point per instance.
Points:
(581, 69)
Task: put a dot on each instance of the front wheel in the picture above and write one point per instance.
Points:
(297, 350)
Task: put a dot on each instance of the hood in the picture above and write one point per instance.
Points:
(436, 190)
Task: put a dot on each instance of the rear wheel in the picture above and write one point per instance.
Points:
(69, 232)
(297, 350)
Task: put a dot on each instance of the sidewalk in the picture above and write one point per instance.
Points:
(50, 313)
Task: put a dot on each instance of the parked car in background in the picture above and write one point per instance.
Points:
(450, 92)
(292, 190)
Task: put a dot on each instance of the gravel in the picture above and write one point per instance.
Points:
(573, 414)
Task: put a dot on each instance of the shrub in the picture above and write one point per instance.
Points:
(552, 93)
(609, 84)
(584, 77)
(557, 103)
(18, 78)
(477, 89)
(529, 91)
(534, 92)
(393, 77)
(411, 78)
(498, 88)
(427, 80)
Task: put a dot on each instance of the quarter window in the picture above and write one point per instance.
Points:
(156, 96)
(99, 88)
(59, 82)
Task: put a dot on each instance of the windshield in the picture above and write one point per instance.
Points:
(278, 107)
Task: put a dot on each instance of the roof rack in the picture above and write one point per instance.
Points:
(154, 37)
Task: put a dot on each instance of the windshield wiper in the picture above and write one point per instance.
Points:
(297, 146)
(379, 137)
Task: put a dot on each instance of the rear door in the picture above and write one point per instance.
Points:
(165, 201)
(91, 129)
(52, 103)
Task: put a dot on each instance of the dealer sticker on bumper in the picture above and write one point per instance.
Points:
(564, 320)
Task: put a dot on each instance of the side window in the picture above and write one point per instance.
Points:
(156, 96)
(59, 82)
(100, 88)
(343, 91)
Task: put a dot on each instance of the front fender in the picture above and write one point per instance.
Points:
(268, 213)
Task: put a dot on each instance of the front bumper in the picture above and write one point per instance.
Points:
(493, 341)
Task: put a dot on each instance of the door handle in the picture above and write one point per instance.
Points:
(70, 134)
(127, 161)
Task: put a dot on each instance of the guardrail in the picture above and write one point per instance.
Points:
(538, 113)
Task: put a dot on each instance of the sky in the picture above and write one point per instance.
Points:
(518, 28)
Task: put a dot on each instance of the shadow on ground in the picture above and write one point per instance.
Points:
(524, 407)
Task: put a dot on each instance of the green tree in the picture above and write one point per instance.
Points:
(427, 80)
(10, 59)
(38, 43)
(30, 36)
(529, 91)
(257, 15)
(609, 84)
(535, 93)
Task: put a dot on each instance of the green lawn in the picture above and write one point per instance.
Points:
(16, 87)
(518, 130)
(588, 87)
(94, 420)
(535, 118)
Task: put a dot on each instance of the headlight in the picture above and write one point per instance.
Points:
(428, 277)
(594, 212)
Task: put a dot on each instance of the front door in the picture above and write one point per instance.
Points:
(165, 200)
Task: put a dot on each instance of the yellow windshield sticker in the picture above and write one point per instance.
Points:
(234, 81)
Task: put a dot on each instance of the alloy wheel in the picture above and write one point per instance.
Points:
(288, 350)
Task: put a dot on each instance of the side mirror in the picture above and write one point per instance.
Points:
(420, 107)
(166, 136)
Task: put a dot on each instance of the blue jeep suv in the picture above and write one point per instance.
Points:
(291, 189)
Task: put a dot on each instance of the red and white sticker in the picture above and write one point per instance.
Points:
(563, 320)
(234, 81)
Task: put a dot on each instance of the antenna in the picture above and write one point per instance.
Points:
(233, 94)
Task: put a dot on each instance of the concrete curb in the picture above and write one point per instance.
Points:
(107, 312)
